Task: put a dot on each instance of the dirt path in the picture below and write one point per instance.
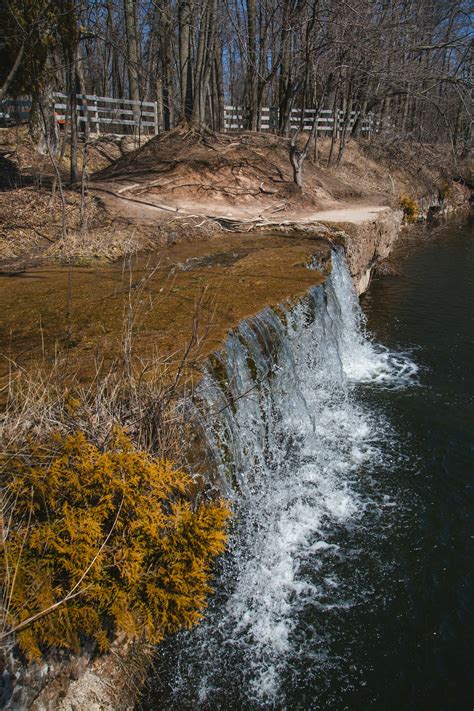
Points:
(355, 214)
(147, 207)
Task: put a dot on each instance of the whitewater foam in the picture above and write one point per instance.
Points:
(293, 445)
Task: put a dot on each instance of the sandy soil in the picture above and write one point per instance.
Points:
(150, 210)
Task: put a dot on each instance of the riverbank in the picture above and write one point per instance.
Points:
(189, 185)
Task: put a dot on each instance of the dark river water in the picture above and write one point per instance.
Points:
(399, 632)
(418, 643)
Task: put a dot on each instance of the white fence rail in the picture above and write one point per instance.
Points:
(105, 111)
(235, 120)
(103, 114)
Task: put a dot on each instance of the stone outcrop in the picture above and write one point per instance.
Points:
(368, 243)
(68, 682)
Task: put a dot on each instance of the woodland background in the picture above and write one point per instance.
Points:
(408, 62)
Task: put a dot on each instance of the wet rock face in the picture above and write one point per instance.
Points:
(368, 243)
(68, 682)
(22, 686)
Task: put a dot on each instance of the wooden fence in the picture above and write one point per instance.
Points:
(235, 120)
(103, 111)
(103, 114)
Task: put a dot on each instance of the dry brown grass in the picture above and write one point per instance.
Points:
(34, 222)
(37, 217)
(143, 393)
(32, 214)
(32, 167)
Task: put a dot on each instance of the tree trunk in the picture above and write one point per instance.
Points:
(185, 68)
(11, 74)
(252, 65)
(133, 57)
(166, 56)
(285, 73)
(73, 175)
(42, 123)
(297, 161)
(345, 132)
(385, 118)
(335, 127)
(117, 84)
(200, 88)
(297, 157)
(218, 88)
(81, 86)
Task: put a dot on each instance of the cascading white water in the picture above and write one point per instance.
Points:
(292, 444)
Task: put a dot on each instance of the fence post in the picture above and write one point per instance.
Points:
(157, 125)
(97, 126)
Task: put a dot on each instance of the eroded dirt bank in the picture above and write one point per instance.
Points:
(189, 184)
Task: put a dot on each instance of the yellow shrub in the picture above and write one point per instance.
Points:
(115, 531)
(410, 208)
(445, 191)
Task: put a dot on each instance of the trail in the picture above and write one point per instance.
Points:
(125, 205)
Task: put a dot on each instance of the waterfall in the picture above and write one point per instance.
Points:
(294, 446)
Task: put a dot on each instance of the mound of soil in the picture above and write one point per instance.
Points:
(228, 168)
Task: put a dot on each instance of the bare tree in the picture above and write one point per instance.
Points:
(405, 64)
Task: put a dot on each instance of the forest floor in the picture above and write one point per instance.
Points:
(191, 184)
